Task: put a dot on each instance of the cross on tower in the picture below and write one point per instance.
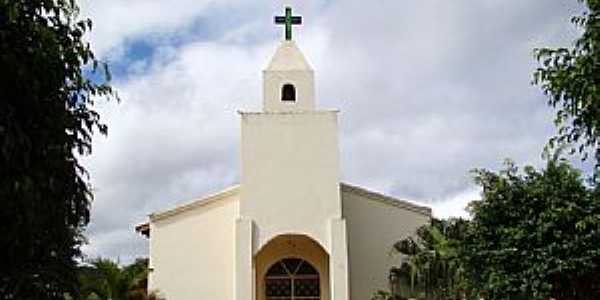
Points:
(288, 20)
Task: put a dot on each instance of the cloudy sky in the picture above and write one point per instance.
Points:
(428, 90)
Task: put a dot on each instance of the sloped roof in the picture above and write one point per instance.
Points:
(288, 57)
(144, 228)
(223, 194)
(375, 196)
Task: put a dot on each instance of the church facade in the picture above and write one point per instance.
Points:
(290, 230)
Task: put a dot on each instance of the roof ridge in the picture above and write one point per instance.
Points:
(196, 203)
(377, 196)
(400, 203)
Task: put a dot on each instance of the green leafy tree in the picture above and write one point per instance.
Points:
(535, 234)
(571, 79)
(46, 120)
(431, 267)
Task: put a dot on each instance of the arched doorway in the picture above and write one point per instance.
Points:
(292, 279)
(292, 267)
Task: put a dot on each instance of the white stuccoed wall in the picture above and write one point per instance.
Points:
(192, 252)
(290, 174)
(374, 223)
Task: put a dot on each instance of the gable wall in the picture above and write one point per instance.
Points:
(192, 254)
(372, 228)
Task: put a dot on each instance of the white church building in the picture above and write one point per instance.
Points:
(290, 230)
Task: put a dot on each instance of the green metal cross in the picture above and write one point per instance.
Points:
(288, 20)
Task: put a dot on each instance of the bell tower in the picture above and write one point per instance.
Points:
(288, 81)
(289, 183)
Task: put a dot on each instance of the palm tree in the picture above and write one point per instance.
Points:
(431, 267)
(104, 279)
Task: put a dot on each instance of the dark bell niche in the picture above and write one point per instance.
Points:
(288, 92)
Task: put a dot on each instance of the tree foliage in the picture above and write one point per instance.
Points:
(571, 79)
(46, 119)
(535, 234)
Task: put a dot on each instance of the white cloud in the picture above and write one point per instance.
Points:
(456, 205)
(118, 20)
(428, 90)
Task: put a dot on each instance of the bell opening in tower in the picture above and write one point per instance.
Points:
(288, 92)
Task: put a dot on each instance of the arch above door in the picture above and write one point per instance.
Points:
(289, 257)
